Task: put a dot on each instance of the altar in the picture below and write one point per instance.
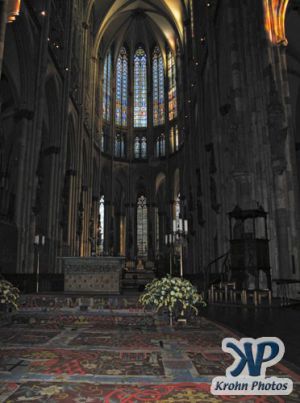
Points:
(93, 274)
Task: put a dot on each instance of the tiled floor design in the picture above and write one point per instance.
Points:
(115, 358)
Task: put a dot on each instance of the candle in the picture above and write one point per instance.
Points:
(166, 239)
(36, 240)
(43, 240)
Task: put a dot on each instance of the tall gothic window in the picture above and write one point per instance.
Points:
(143, 147)
(122, 88)
(120, 145)
(107, 87)
(172, 86)
(140, 88)
(161, 146)
(171, 137)
(142, 226)
(101, 225)
(158, 88)
(174, 138)
(137, 147)
(140, 148)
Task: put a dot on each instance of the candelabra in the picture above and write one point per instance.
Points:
(177, 237)
(39, 240)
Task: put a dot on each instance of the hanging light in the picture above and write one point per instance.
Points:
(13, 10)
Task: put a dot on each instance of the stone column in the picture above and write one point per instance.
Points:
(278, 138)
(3, 19)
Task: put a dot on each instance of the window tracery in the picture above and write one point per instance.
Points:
(122, 88)
(172, 93)
(106, 104)
(158, 88)
(140, 88)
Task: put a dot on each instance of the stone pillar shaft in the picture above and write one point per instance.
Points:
(3, 18)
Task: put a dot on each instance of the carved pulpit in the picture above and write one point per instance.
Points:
(249, 248)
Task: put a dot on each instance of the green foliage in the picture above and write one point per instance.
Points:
(9, 294)
(173, 293)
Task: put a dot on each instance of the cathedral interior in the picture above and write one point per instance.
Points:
(148, 138)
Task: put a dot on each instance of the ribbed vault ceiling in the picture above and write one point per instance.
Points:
(120, 20)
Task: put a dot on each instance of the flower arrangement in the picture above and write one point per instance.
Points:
(8, 294)
(174, 293)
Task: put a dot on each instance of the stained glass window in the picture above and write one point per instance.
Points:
(176, 138)
(161, 146)
(122, 88)
(172, 86)
(158, 88)
(142, 226)
(157, 146)
(120, 145)
(144, 147)
(172, 140)
(107, 87)
(140, 147)
(137, 147)
(140, 88)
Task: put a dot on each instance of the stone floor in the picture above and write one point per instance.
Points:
(118, 356)
(282, 322)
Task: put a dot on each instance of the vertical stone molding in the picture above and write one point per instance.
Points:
(3, 18)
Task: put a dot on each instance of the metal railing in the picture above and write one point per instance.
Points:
(219, 276)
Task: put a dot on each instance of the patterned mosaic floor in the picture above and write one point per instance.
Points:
(126, 358)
